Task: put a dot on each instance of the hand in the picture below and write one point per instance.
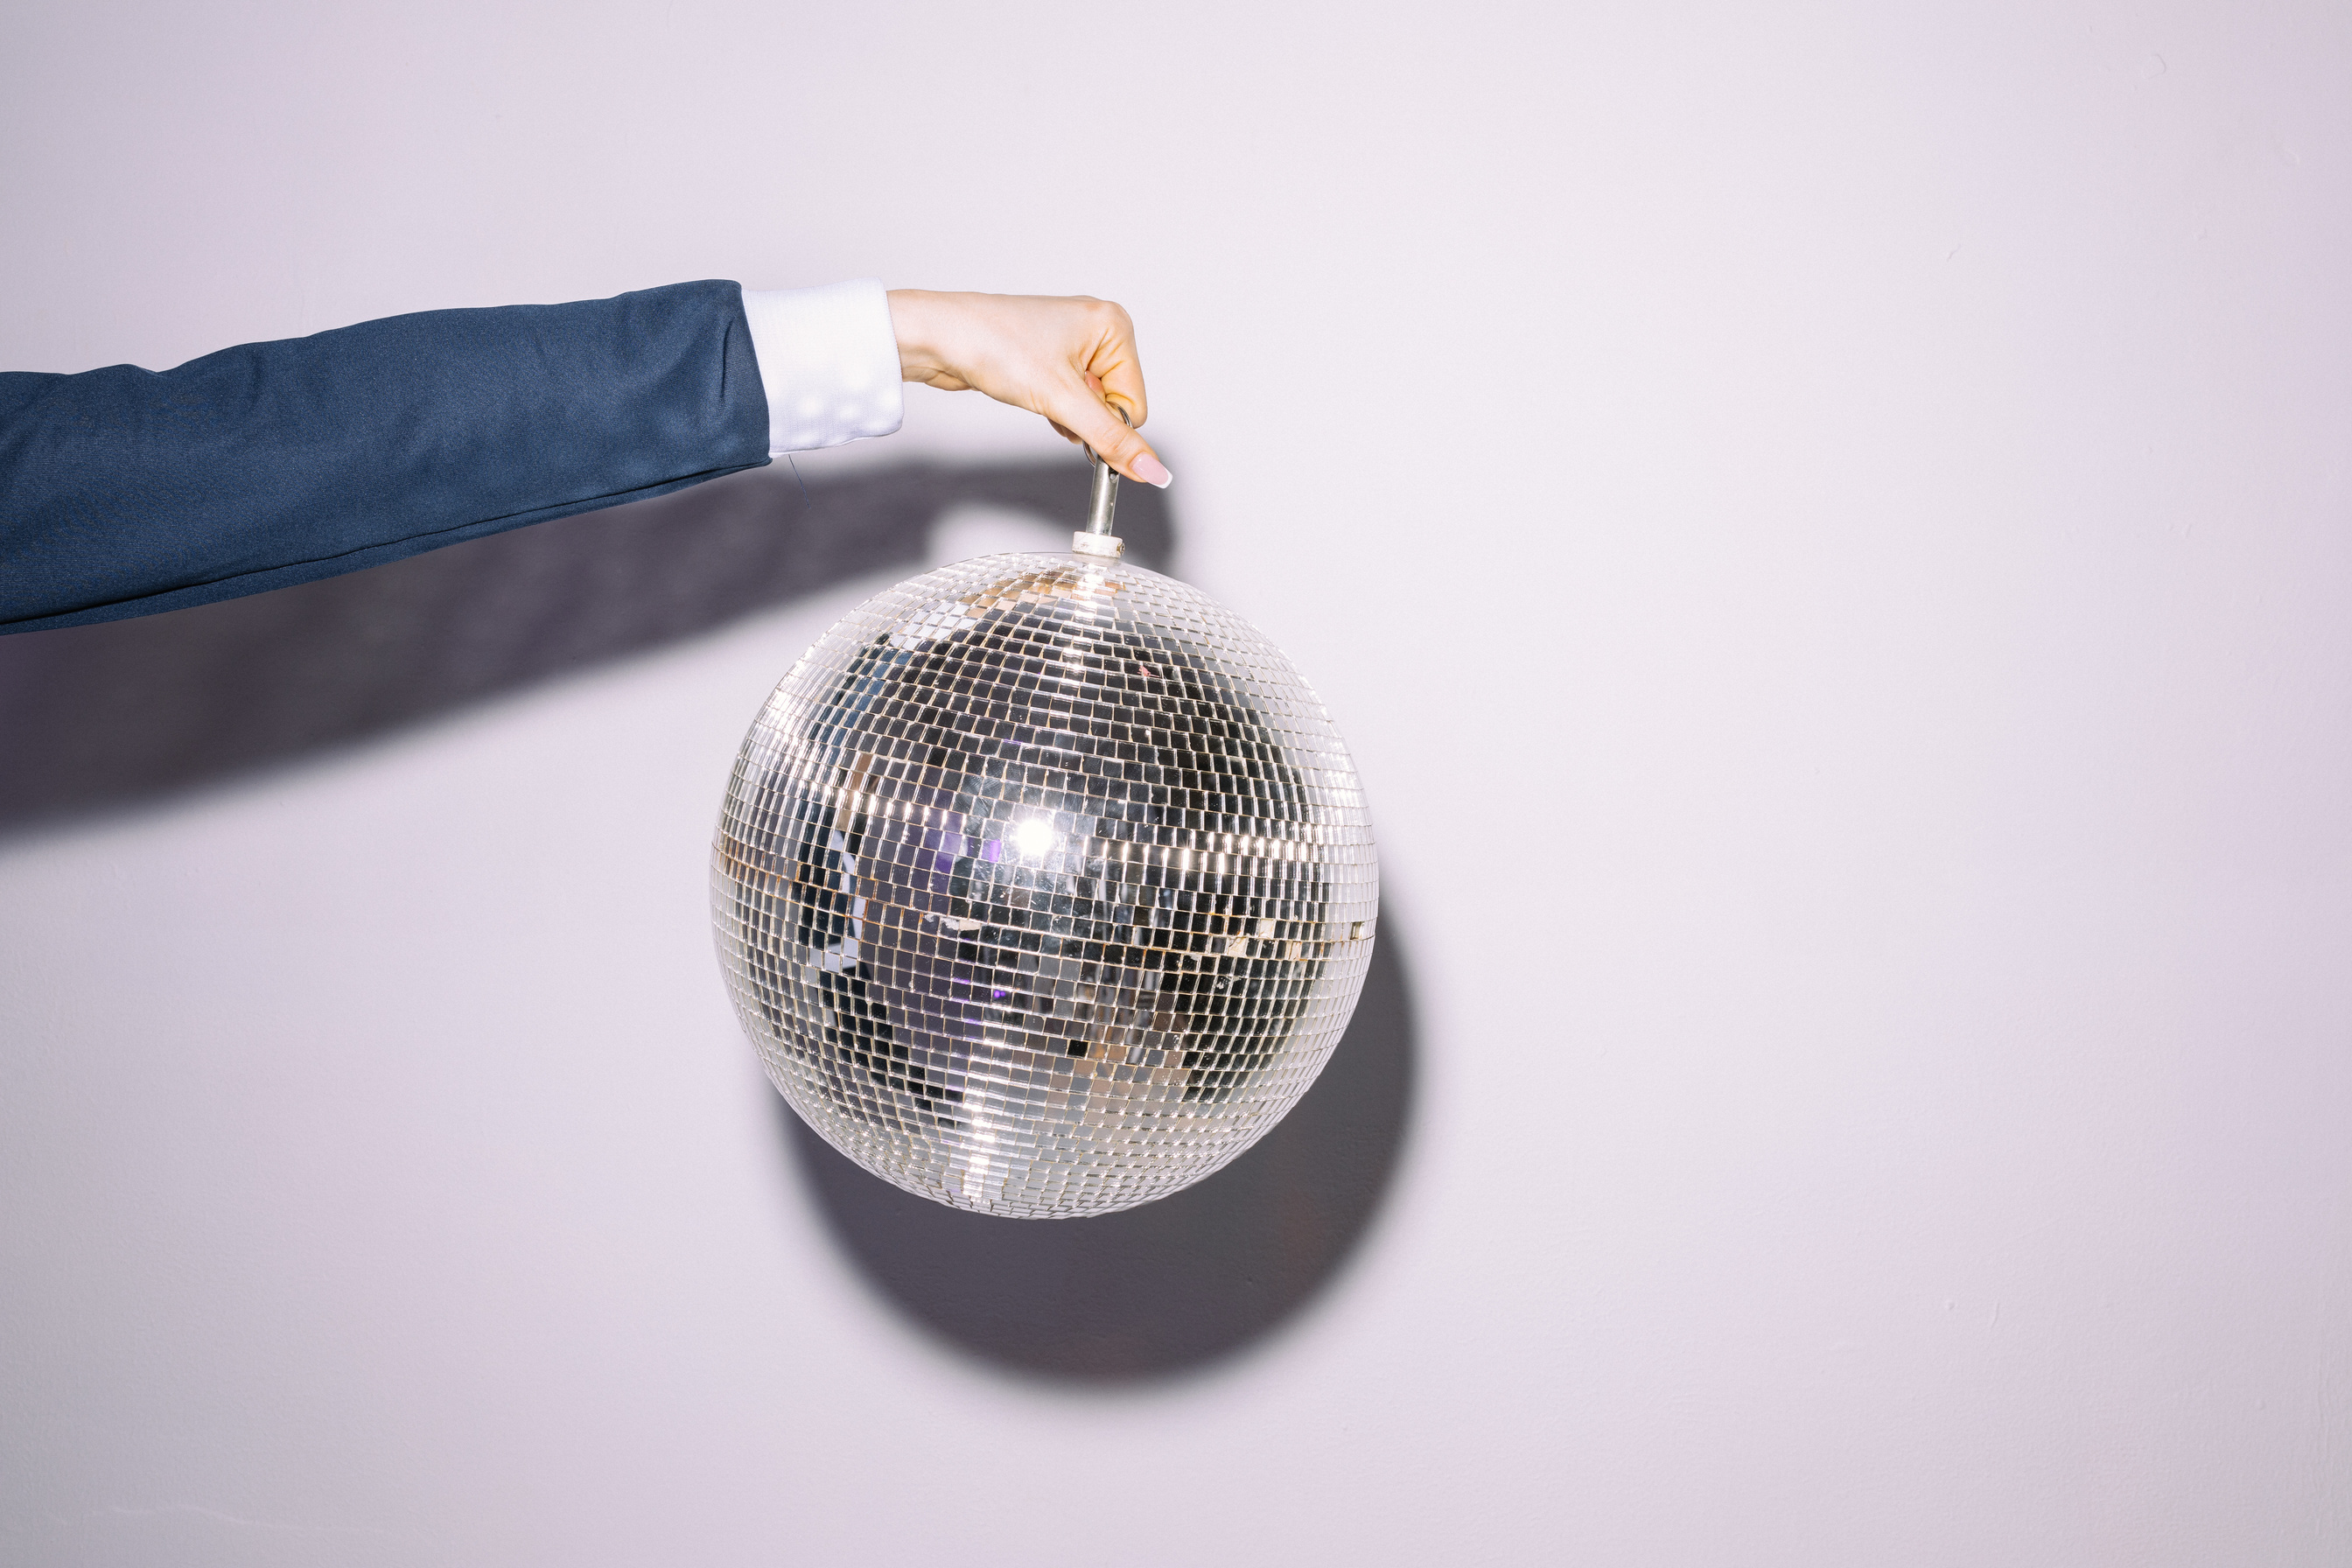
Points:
(1072, 359)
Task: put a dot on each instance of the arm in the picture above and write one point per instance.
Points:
(125, 491)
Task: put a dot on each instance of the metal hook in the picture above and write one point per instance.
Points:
(1105, 496)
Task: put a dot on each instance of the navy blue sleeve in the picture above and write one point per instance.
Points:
(125, 491)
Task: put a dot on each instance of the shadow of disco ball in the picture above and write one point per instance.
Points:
(1044, 885)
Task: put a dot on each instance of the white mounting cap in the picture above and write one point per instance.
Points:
(1104, 544)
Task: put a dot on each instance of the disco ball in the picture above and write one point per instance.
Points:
(1044, 885)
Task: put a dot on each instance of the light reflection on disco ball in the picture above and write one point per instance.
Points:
(1044, 885)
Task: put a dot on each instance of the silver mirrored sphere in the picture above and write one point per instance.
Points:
(1044, 885)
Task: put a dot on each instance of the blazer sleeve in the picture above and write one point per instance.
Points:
(125, 491)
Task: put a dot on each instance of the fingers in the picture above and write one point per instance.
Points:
(1113, 378)
(1078, 410)
(1112, 366)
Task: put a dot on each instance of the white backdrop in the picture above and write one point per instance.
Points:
(1827, 529)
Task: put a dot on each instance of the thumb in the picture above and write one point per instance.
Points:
(1083, 412)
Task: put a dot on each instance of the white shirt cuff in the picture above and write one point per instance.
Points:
(828, 362)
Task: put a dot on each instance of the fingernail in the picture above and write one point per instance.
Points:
(1152, 472)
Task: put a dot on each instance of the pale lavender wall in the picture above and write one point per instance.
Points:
(1828, 530)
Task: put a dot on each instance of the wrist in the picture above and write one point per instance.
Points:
(914, 321)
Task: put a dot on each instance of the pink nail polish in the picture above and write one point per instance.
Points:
(1152, 472)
